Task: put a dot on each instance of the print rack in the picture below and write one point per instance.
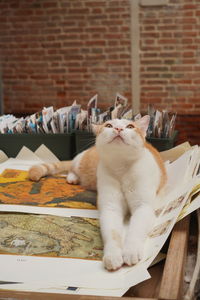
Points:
(166, 282)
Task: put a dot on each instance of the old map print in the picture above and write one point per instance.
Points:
(43, 235)
(16, 188)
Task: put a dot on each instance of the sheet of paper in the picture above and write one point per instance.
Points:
(182, 181)
(55, 211)
(178, 170)
(17, 189)
(42, 287)
(175, 152)
(71, 272)
(193, 202)
(190, 208)
(13, 163)
(23, 161)
(79, 276)
(163, 226)
(45, 154)
(3, 157)
(26, 154)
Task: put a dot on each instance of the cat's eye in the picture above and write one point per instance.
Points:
(130, 126)
(108, 125)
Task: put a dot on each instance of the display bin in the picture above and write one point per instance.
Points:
(61, 144)
(85, 139)
(64, 145)
(162, 144)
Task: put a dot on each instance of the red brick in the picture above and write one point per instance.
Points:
(95, 43)
(95, 3)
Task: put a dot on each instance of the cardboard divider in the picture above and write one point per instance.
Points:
(61, 144)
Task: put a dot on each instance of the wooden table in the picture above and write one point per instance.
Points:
(166, 282)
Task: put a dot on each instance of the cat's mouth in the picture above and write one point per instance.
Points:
(118, 138)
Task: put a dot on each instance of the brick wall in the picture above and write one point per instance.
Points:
(189, 128)
(55, 51)
(170, 56)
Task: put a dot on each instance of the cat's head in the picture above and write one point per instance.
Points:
(122, 132)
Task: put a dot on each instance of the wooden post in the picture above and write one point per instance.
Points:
(1, 94)
(135, 56)
(172, 279)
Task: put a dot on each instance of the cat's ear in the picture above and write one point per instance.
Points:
(143, 124)
(96, 128)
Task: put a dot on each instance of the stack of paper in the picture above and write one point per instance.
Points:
(73, 117)
(55, 245)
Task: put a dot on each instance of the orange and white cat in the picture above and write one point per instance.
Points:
(128, 174)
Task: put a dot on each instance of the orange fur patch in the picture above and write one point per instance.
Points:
(117, 238)
(160, 163)
(139, 131)
(88, 168)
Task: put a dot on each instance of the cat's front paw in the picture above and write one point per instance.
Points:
(113, 259)
(132, 254)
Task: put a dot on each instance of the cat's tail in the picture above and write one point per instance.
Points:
(38, 171)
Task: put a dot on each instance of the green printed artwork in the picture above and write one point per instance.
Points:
(16, 188)
(50, 236)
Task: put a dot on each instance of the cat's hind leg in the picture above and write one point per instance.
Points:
(38, 171)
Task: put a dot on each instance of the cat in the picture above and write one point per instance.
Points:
(129, 175)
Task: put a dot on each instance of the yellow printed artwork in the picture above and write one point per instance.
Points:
(16, 188)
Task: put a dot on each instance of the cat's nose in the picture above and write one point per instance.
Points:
(118, 129)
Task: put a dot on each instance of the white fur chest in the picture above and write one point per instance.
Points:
(119, 161)
(138, 176)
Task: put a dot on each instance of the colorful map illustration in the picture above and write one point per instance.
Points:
(43, 235)
(16, 188)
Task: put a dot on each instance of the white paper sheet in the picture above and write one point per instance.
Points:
(56, 211)
(23, 161)
(45, 154)
(42, 287)
(13, 163)
(176, 152)
(3, 156)
(71, 272)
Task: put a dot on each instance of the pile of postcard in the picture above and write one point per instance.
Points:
(57, 248)
(74, 117)
(65, 119)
